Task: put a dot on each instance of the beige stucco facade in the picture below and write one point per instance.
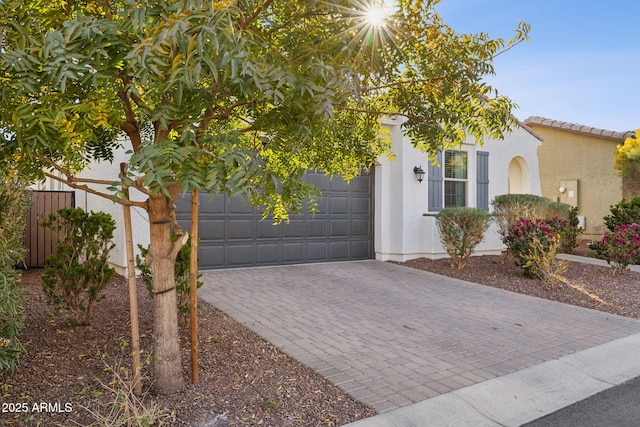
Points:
(576, 167)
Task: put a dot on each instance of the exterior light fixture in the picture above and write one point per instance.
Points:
(419, 173)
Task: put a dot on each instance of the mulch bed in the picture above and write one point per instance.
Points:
(243, 380)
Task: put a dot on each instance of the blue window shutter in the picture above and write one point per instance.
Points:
(482, 180)
(435, 185)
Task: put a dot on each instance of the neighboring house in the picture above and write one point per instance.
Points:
(385, 213)
(576, 167)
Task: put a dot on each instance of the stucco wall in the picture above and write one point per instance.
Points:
(589, 159)
(404, 229)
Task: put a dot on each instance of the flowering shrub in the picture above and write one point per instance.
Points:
(563, 218)
(621, 247)
(534, 244)
(461, 230)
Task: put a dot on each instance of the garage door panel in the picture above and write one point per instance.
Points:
(317, 228)
(360, 206)
(339, 185)
(211, 257)
(232, 233)
(339, 205)
(360, 228)
(265, 229)
(238, 205)
(212, 229)
(361, 184)
(240, 229)
(268, 253)
(210, 206)
(317, 251)
(339, 251)
(292, 253)
(339, 228)
(294, 228)
(241, 255)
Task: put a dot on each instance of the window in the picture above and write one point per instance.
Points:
(448, 181)
(455, 179)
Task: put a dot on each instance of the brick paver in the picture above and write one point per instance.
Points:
(390, 335)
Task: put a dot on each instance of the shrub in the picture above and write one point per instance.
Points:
(508, 208)
(182, 276)
(15, 200)
(534, 244)
(567, 228)
(77, 273)
(623, 213)
(621, 247)
(461, 230)
(541, 261)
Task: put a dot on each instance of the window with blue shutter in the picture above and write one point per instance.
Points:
(482, 180)
(435, 185)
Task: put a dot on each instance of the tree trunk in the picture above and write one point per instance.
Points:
(167, 365)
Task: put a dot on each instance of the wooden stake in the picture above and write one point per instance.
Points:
(133, 294)
(193, 288)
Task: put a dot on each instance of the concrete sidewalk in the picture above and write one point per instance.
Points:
(407, 342)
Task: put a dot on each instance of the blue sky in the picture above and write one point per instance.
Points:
(582, 64)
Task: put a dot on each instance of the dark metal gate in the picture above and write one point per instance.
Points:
(38, 240)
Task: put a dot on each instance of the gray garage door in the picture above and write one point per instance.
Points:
(233, 235)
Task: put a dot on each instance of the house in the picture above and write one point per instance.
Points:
(406, 209)
(386, 213)
(576, 167)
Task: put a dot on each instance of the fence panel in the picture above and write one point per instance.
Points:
(38, 240)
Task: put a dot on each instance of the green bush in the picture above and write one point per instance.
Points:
(508, 208)
(623, 213)
(461, 230)
(15, 200)
(78, 272)
(534, 244)
(182, 276)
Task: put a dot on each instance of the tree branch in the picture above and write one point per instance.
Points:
(88, 189)
(262, 8)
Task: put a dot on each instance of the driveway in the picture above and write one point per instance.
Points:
(391, 336)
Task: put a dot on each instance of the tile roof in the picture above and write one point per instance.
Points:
(578, 128)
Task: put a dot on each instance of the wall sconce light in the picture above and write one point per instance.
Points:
(419, 173)
(562, 189)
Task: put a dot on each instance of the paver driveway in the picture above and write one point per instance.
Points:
(390, 335)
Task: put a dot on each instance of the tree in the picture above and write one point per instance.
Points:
(627, 159)
(230, 96)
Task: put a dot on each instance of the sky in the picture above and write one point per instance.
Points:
(582, 64)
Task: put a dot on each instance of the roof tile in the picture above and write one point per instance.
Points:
(578, 128)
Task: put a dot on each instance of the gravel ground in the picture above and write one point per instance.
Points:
(584, 285)
(243, 379)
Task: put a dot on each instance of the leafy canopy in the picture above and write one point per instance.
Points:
(627, 159)
(235, 96)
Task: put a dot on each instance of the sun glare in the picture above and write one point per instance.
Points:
(376, 15)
